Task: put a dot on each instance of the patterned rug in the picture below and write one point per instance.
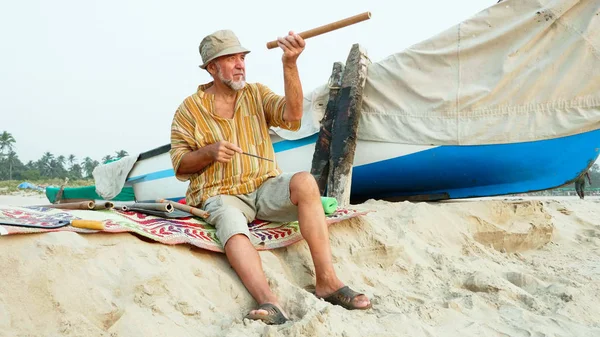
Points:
(192, 230)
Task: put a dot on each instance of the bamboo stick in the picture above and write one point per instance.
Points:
(73, 205)
(99, 206)
(102, 204)
(161, 207)
(192, 210)
(328, 27)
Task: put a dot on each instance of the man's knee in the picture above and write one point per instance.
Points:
(303, 185)
(303, 181)
(236, 239)
(229, 222)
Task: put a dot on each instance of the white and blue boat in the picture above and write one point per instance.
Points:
(506, 102)
(398, 171)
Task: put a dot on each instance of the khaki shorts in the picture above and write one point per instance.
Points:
(231, 214)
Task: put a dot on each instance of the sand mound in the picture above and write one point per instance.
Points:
(461, 268)
(511, 226)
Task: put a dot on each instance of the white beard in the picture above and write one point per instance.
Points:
(233, 85)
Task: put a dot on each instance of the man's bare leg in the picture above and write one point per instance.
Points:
(304, 193)
(244, 259)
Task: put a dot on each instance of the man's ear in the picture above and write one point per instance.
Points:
(212, 69)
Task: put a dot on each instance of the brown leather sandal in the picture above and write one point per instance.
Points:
(274, 316)
(344, 297)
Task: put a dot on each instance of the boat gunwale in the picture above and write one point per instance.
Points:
(154, 152)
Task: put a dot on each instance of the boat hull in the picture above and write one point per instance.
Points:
(410, 172)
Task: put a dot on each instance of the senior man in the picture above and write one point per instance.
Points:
(211, 133)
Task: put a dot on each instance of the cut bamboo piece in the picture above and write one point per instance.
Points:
(161, 207)
(100, 205)
(328, 27)
(192, 210)
(86, 205)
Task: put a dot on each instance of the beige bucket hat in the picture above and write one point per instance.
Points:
(219, 43)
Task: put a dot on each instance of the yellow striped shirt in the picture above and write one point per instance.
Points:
(195, 125)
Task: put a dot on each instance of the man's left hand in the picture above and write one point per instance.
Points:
(292, 46)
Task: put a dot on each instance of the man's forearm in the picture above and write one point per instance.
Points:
(195, 161)
(293, 93)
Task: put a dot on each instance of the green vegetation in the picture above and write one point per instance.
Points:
(50, 169)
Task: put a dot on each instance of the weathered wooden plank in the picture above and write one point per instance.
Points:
(320, 162)
(345, 125)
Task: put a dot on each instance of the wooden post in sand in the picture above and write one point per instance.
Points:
(344, 117)
(320, 162)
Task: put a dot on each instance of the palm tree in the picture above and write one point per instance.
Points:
(47, 157)
(75, 172)
(121, 154)
(71, 159)
(46, 164)
(88, 166)
(107, 158)
(58, 167)
(6, 142)
(12, 160)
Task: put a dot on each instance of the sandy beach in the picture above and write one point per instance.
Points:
(23, 199)
(485, 267)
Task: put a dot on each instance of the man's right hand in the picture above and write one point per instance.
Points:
(222, 151)
(196, 161)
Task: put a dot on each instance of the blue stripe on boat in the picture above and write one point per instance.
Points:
(286, 145)
(152, 176)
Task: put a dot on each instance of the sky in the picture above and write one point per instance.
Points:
(93, 77)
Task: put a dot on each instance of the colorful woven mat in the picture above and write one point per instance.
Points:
(192, 230)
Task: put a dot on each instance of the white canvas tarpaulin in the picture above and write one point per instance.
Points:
(522, 70)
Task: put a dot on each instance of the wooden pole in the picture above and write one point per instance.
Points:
(345, 125)
(320, 162)
(328, 27)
